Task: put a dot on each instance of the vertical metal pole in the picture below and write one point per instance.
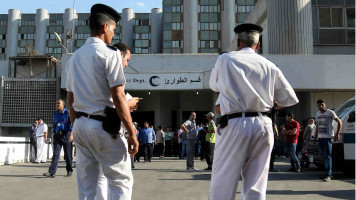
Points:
(15, 68)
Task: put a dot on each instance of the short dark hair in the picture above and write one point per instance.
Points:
(290, 115)
(39, 118)
(122, 47)
(60, 99)
(320, 101)
(97, 21)
(159, 127)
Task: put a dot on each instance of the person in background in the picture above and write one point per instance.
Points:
(274, 150)
(308, 131)
(168, 140)
(291, 131)
(62, 137)
(147, 137)
(190, 128)
(160, 141)
(41, 136)
(202, 142)
(210, 141)
(33, 141)
(324, 133)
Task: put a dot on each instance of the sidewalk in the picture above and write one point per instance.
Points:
(167, 179)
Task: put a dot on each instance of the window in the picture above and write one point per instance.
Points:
(138, 22)
(138, 50)
(337, 17)
(324, 17)
(333, 25)
(175, 44)
(56, 22)
(176, 9)
(176, 26)
(209, 26)
(350, 17)
(332, 36)
(26, 36)
(3, 23)
(27, 22)
(207, 44)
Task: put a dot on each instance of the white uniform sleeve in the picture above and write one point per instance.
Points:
(45, 128)
(114, 71)
(213, 82)
(284, 94)
(69, 77)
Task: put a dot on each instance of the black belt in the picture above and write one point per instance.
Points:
(225, 118)
(61, 132)
(95, 117)
(247, 114)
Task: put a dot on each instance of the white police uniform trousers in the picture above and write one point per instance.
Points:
(41, 150)
(96, 148)
(243, 148)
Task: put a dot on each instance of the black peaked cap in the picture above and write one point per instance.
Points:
(107, 10)
(248, 28)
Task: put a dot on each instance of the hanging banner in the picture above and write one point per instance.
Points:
(181, 81)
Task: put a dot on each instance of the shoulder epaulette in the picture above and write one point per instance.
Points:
(112, 48)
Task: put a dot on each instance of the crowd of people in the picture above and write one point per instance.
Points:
(190, 141)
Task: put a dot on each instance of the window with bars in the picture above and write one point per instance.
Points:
(25, 100)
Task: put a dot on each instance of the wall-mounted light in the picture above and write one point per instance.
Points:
(197, 93)
(149, 93)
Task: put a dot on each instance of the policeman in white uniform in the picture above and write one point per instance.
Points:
(95, 80)
(249, 85)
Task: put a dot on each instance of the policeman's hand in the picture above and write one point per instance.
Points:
(132, 145)
(314, 141)
(337, 137)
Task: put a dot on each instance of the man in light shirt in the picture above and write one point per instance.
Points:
(41, 135)
(324, 132)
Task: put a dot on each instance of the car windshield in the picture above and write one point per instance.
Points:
(342, 110)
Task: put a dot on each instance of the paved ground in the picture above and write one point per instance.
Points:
(166, 179)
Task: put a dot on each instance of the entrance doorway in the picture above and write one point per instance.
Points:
(141, 116)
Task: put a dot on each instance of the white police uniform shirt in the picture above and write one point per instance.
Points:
(248, 82)
(91, 72)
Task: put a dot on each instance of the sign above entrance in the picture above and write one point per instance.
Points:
(181, 81)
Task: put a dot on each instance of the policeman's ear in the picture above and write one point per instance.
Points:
(257, 46)
(105, 28)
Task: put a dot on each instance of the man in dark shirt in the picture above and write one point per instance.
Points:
(291, 131)
(147, 136)
(62, 136)
(33, 141)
